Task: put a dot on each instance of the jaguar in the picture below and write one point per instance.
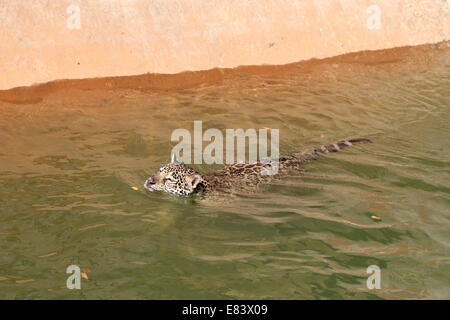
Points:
(180, 179)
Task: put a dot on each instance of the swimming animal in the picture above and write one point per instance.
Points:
(178, 178)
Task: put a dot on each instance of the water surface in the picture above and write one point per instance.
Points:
(68, 164)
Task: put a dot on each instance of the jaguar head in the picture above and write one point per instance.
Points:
(175, 178)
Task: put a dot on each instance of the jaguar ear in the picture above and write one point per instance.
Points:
(194, 180)
(174, 159)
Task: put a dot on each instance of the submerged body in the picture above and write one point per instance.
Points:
(177, 178)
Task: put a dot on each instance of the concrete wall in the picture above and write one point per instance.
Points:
(42, 40)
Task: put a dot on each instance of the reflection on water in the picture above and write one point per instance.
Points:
(67, 165)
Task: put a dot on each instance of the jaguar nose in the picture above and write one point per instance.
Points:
(150, 181)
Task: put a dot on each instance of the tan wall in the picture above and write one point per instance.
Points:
(126, 37)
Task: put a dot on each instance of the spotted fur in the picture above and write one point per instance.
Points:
(177, 178)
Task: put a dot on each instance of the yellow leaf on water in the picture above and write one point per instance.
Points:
(84, 275)
(375, 218)
(135, 188)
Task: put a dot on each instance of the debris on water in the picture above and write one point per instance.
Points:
(24, 281)
(135, 188)
(376, 218)
(48, 255)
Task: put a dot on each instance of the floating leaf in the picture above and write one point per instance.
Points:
(376, 218)
(84, 275)
(135, 188)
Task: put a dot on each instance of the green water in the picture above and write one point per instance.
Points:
(68, 165)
